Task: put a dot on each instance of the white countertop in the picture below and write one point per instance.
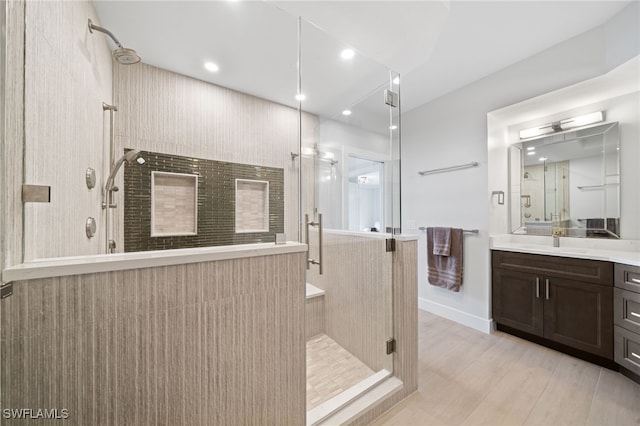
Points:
(77, 265)
(618, 251)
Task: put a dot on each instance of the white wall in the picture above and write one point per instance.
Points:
(453, 130)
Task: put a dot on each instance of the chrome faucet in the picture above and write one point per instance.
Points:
(556, 241)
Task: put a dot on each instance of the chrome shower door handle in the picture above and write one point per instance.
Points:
(307, 224)
(320, 243)
(306, 238)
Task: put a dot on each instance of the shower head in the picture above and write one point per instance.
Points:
(126, 56)
(122, 55)
(134, 154)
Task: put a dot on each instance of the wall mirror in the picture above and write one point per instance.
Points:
(567, 184)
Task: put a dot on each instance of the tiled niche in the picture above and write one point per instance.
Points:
(174, 204)
(215, 214)
(252, 205)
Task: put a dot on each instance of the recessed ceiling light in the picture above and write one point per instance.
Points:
(393, 127)
(346, 112)
(531, 148)
(347, 54)
(301, 97)
(543, 158)
(210, 66)
(396, 80)
(531, 153)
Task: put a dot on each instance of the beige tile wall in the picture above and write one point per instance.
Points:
(12, 146)
(68, 75)
(207, 343)
(314, 317)
(357, 284)
(405, 328)
(211, 122)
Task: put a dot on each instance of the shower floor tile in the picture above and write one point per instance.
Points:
(331, 369)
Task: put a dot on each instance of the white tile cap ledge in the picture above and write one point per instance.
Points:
(618, 251)
(78, 265)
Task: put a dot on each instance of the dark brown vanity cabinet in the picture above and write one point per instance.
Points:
(563, 300)
(627, 317)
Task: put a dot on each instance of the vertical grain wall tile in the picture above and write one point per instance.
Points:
(176, 365)
(145, 291)
(13, 143)
(85, 375)
(161, 359)
(78, 76)
(356, 294)
(193, 365)
(109, 349)
(145, 371)
(105, 372)
(126, 367)
(104, 297)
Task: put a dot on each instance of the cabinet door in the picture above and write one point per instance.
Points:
(517, 301)
(579, 315)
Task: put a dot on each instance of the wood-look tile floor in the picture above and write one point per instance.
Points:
(331, 369)
(470, 378)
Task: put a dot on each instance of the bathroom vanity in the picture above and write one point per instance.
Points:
(567, 301)
(579, 300)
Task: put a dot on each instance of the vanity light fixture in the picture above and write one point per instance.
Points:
(582, 120)
(566, 124)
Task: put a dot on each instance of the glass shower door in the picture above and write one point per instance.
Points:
(350, 179)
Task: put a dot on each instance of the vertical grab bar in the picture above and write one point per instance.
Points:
(309, 223)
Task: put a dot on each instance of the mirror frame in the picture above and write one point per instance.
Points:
(610, 182)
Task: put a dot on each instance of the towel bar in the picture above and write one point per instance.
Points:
(469, 231)
(449, 169)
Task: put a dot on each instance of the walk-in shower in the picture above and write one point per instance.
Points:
(122, 55)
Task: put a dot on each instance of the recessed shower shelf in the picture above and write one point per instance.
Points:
(252, 206)
(174, 204)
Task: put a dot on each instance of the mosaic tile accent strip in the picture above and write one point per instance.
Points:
(216, 202)
(174, 204)
(252, 205)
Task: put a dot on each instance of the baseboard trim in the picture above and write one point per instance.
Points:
(472, 321)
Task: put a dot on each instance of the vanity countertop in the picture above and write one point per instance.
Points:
(618, 251)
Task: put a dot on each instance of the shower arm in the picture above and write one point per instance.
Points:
(92, 27)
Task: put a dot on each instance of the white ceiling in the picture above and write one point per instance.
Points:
(437, 46)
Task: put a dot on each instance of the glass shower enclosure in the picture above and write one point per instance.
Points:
(349, 162)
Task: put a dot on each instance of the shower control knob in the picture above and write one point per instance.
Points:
(90, 177)
(90, 227)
